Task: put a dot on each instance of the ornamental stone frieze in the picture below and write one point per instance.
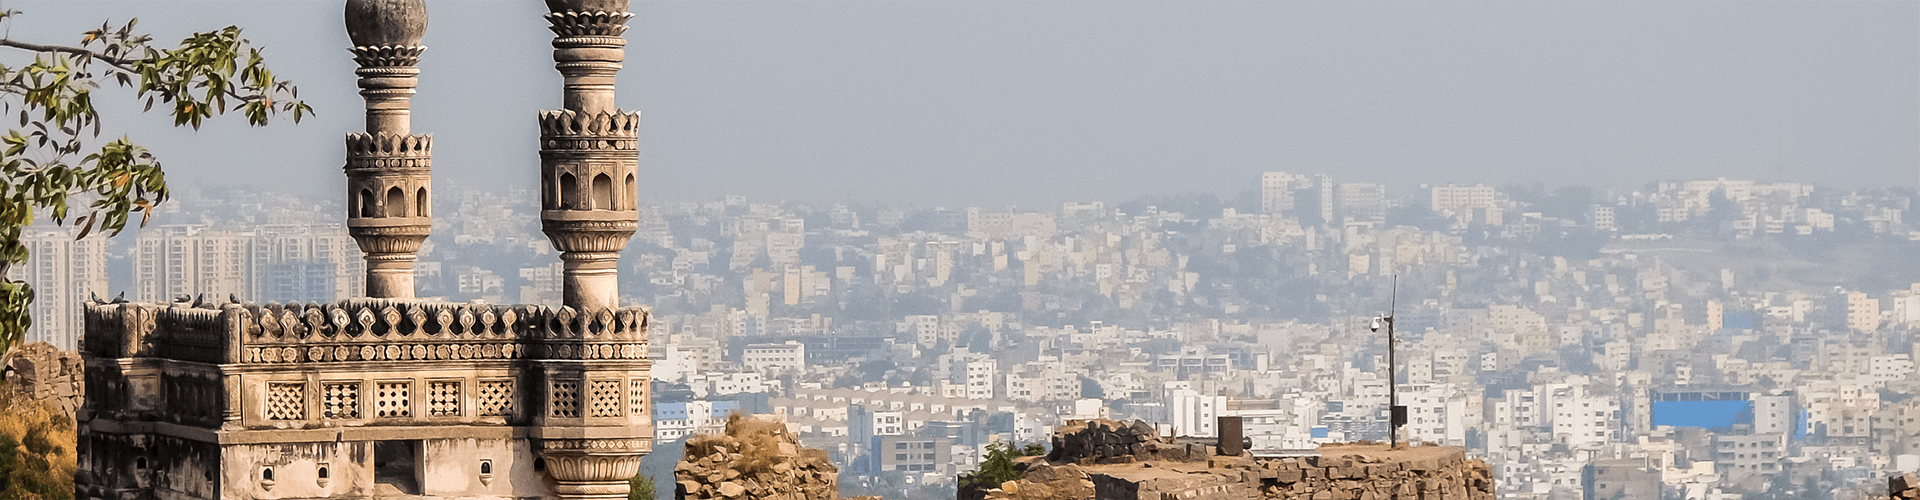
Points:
(389, 170)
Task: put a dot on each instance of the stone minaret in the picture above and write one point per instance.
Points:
(588, 160)
(389, 170)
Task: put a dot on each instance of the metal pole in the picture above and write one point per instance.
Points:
(1393, 392)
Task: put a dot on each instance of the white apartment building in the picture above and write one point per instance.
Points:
(1436, 413)
(980, 374)
(63, 273)
(769, 358)
(1193, 414)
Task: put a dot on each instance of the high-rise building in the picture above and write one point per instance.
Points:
(63, 272)
(1360, 202)
(1276, 191)
(175, 261)
(285, 263)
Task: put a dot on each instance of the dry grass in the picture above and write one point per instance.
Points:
(41, 456)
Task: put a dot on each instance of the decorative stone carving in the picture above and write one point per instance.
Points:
(389, 170)
(393, 399)
(340, 400)
(588, 158)
(286, 401)
(563, 400)
(378, 23)
(494, 398)
(593, 468)
(587, 5)
(443, 398)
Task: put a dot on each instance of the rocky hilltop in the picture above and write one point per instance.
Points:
(1105, 459)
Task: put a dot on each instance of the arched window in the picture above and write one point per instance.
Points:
(396, 202)
(631, 194)
(569, 191)
(602, 192)
(420, 203)
(366, 204)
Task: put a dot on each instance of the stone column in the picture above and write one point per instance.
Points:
(389, 170)
(588, 162)
(592, 468)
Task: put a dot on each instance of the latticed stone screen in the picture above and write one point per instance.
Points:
(605, 400)
(340, 400)
(637, 397)
(287, 401)
(564, 400)
(494, 398)
(443, 398)
(393, 399)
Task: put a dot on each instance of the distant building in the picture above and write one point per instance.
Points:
(766, 358)
(63, 272)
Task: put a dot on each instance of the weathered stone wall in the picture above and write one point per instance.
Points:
(755, 459)
(1113, 441)
(1904, 487)
(47, 374)
(1113, 460)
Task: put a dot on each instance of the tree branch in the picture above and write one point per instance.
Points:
(118, 62)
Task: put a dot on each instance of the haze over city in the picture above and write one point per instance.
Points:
(1035, 102)
(978, 250)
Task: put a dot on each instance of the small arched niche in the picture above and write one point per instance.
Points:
(569, 191)
(367, 206)
(396, 202)
(602, 192)
(631, 194)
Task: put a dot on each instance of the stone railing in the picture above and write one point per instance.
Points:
(362, 330)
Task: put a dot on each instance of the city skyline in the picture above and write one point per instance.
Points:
(1034, 103)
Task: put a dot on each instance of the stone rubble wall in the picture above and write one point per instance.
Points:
(757, 459)
(1106, 459)
(1113, 441)
(47, 374)
(1903, 487)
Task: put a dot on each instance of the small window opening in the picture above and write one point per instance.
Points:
(540, 465)
(396, 468)
(322, 474)
(140, 463)
(266, 473)
(486, 466)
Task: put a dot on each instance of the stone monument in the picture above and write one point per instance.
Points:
(388, 395)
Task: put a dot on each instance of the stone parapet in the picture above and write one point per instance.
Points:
(363, 330)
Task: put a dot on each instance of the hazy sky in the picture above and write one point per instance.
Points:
(955, 103)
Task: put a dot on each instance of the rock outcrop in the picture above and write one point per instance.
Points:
(755, 459)
(1903, 487)
(1113, 441)
(47, 374)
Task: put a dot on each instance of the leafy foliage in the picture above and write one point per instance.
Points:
(640, 487)
(998, 467)
(55, 158)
